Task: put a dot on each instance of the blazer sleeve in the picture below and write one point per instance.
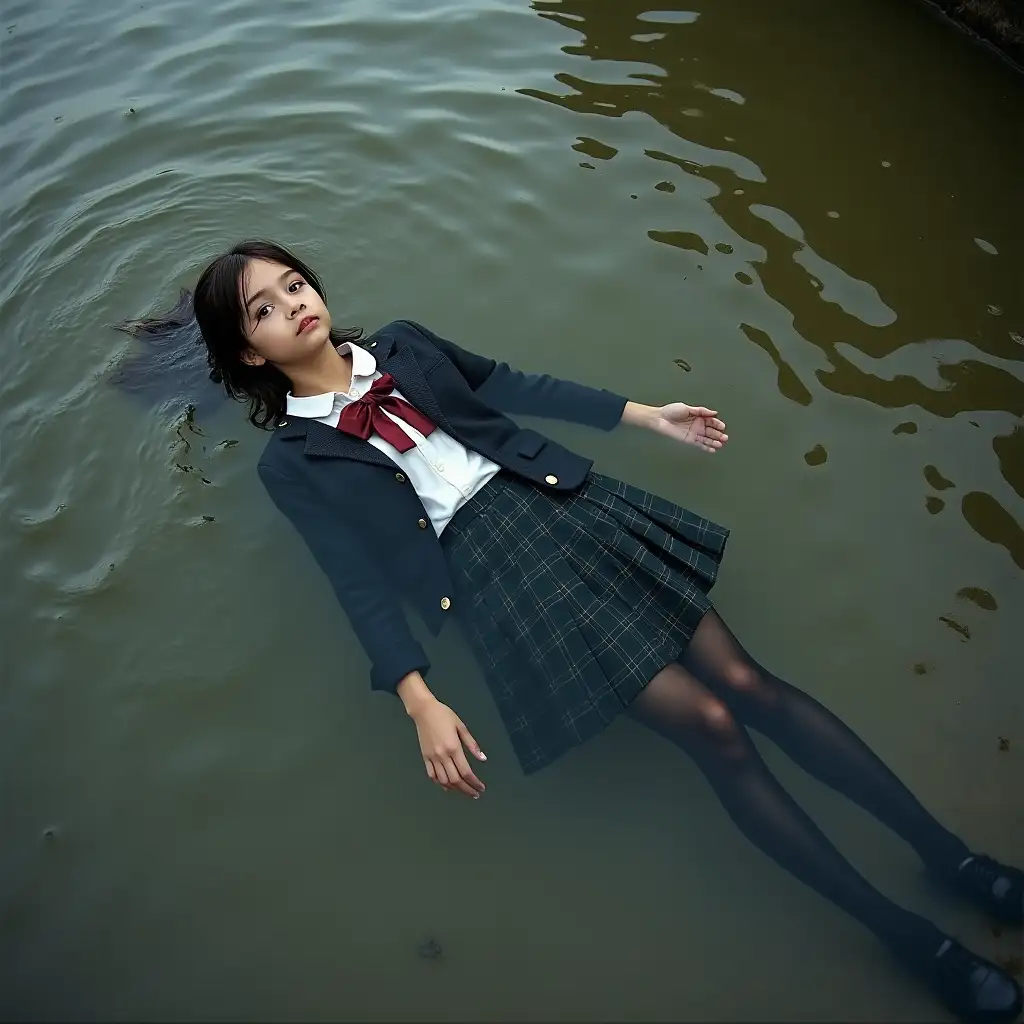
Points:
(372, 607)
(530, 394)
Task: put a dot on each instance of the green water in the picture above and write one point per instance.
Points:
(815, 208)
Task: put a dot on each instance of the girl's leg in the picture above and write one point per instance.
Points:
(817, 740)
(678, 706)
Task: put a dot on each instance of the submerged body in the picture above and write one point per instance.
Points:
(397, 459)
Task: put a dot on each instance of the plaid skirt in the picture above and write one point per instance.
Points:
(574, 601)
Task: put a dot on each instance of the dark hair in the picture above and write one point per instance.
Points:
(216, 312)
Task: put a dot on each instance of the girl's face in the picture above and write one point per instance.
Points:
(285, 320)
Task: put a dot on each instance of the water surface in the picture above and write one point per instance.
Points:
(807, 216)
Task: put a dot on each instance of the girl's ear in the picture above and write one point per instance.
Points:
(252, 358)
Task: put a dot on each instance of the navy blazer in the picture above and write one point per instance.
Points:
(359, 515)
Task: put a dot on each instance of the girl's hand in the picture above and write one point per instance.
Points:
(442, 734)
(691, 424)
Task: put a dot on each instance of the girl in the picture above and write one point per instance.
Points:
(583, 597)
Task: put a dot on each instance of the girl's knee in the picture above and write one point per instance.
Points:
(713, 718)
(742, 677)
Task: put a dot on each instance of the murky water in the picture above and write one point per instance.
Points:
(808, 216)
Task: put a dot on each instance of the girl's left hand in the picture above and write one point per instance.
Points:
(691, 424)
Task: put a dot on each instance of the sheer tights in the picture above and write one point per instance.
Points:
(704, 704)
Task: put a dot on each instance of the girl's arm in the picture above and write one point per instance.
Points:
(539, 394)
(371, 606)
(530, 394)
(398, 661)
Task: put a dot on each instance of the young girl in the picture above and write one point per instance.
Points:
(583, 597)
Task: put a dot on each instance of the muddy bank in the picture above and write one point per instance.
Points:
(998, 24)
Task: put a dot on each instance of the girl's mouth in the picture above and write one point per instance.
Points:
(307, 322)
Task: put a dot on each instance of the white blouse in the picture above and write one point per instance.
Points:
(444, 473)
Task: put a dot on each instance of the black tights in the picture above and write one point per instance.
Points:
(704, 703)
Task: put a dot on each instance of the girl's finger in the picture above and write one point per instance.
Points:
(430, 771)
(467, 739)
(456, 780)
(440, 774)
(467, 773)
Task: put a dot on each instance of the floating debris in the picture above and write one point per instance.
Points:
(920, 668)
(957, 627)
(934, 505)
(665, 186)
(908, 427)
(1004, 744)
(817, 456)
(682, 364)
(982, 598)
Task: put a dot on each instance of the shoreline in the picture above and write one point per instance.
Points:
(997, 24)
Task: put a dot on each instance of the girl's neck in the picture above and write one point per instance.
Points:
(328, 371)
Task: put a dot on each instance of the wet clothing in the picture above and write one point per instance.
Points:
(575, 589)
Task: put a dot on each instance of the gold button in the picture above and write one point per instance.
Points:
(551, 479)
(400, 477)
(445, 604)
(283, 423)
(422, 523)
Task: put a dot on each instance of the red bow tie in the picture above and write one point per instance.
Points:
(365, 416)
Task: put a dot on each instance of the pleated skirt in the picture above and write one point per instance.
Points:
(574, 601)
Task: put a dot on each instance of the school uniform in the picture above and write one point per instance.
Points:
(574, 589)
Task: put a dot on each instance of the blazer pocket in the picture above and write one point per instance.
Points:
(529, 444)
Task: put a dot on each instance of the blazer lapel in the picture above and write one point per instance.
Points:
(409, 379)
(322, 440)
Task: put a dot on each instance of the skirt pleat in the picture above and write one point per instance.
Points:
(573, 601)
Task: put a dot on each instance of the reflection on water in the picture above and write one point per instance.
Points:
(891, 351)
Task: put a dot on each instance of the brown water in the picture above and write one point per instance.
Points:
(808, 216)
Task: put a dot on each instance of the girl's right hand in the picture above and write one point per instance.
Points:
(442, 734)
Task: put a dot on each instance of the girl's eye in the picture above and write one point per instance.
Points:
(295, 285)
(262, 312)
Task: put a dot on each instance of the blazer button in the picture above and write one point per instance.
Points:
(283, 423)
(400, 477)
(445, 604)
(372, 344)
(422, 524)
(551, 479)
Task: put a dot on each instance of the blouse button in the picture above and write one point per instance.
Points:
(445, 603)
(422, 524)
(400, 477)
(551, 479)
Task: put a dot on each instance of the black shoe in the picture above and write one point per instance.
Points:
(995, 887)
(972, 988)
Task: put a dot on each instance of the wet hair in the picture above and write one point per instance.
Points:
(215, 312)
